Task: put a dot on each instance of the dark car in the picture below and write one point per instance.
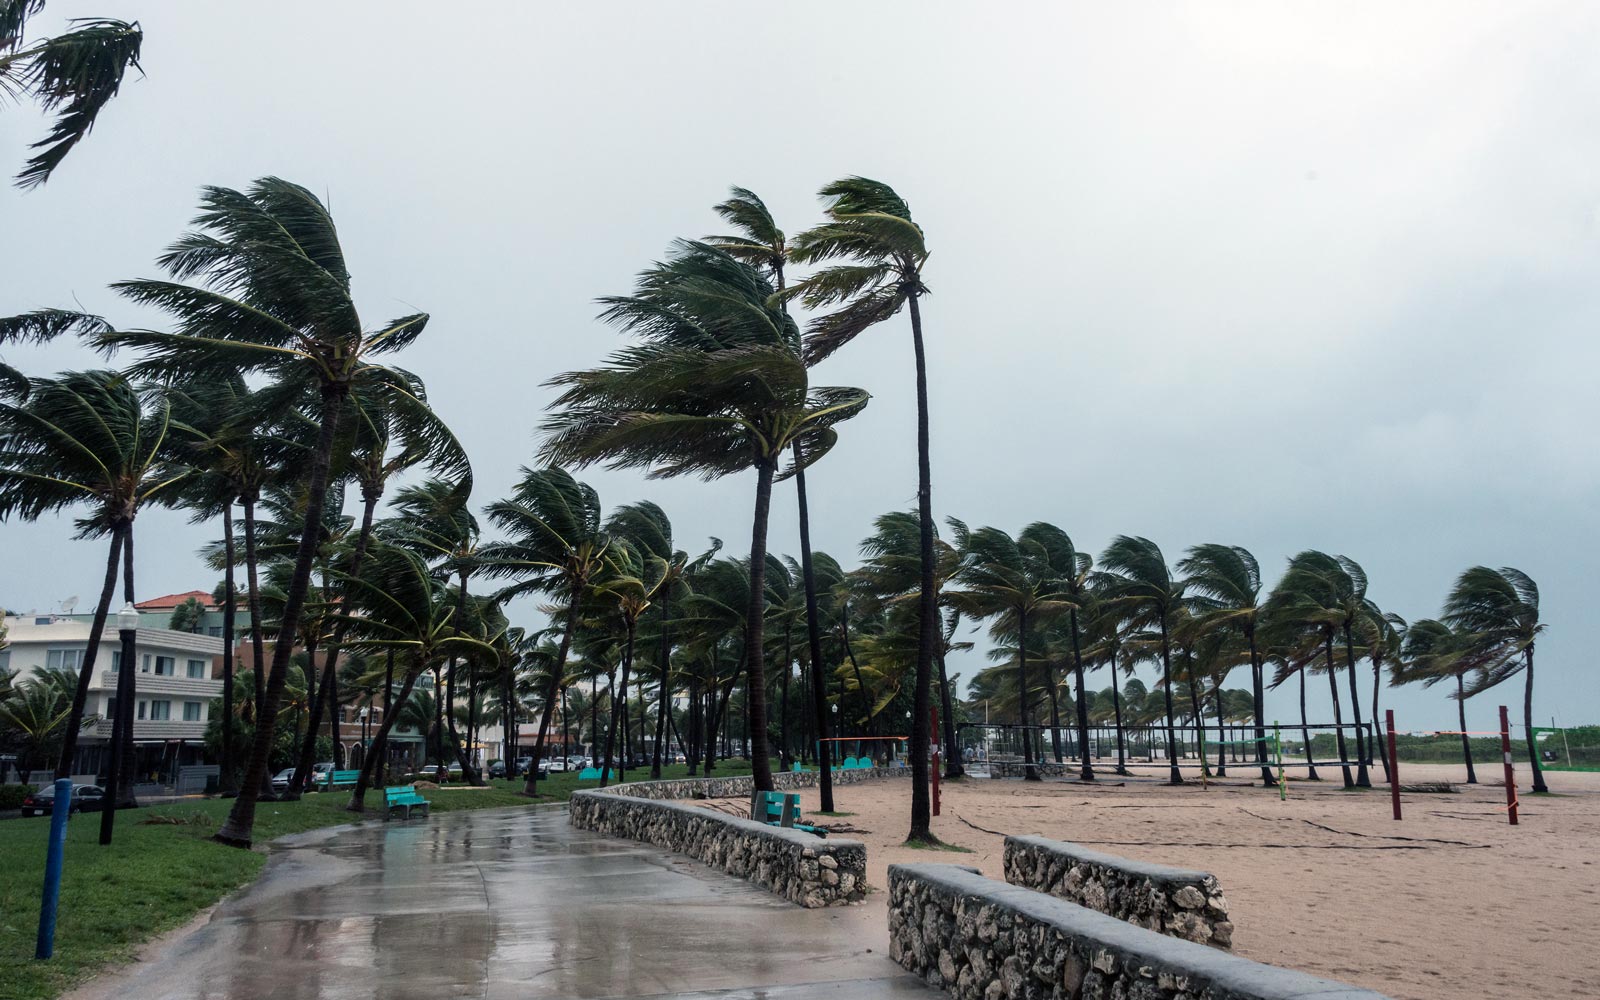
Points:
(497, 769)
(85, 798)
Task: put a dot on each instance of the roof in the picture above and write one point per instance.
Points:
(171, 601)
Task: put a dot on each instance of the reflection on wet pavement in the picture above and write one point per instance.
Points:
(508, 904)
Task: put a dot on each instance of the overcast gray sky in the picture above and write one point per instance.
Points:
(1278, 275)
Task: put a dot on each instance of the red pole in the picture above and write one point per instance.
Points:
(933, 737)
(1394, 765)
(1511, 778)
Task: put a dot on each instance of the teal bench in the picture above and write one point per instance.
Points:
(405, 799)
(340, 778)
(593, 774)
(780, 809)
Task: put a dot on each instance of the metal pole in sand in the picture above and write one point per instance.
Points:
(1511, 778)
(1394, 764)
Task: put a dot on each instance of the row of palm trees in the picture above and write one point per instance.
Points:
(268, 399)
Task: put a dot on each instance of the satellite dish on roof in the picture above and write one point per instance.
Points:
(68, 604)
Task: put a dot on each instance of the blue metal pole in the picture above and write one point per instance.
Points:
(46, 944)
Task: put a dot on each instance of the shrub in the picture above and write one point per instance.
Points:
(11, 796)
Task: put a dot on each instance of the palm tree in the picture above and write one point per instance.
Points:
(1499, 611)
(73, 75)
(1021, 584)
(1225, 581)
(1138, 581)
(557, 547)
(881, 253)
(273, 297)
(398, 605)
(892, 572)
(648, 529)
(1433, 651)
(633, 580)
(715, 388)
(1327, 595)
(89, 439)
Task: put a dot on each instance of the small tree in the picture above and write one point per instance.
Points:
(188, 616)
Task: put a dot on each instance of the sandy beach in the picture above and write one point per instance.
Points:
(1451, 902)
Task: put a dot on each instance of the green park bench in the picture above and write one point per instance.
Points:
(405, 798)
(593, 774)
(340, 778)
(780, 809)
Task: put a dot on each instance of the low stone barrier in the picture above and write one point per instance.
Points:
(1175, 901)
(985, 940)
(800, 867)
(1017, 769)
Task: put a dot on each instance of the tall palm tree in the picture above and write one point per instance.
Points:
(1137, 580)
(89, 440)
(759, 242)
(1021, 583)
(634, 579)
(714, 388)
(648, 529)
(1499, 610)
(272, 296)
(73, 75)
(557, 547)
(1225, 583)
(1433, 651)
(880, 253)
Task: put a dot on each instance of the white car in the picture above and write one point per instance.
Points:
(556, 764)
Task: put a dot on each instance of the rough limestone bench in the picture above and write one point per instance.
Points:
(1176, 901)
(985, 940)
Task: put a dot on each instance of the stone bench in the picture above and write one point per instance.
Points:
(985, 940)
(1176, 901)
(800, 867)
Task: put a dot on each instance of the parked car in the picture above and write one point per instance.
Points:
(85, 798)
(280, 781)
(556, 764)
(523, 763)
(320, 772)
(497, 769)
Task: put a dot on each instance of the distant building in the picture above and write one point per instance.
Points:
(173, 683)
(157, 613)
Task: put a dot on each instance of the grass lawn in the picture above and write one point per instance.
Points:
(157, 876)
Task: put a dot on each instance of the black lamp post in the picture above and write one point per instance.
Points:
(122, 719)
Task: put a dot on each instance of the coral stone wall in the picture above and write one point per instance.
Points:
(985, 940)
(1175, 901)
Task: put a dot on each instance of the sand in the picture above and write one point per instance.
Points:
(1451, 902)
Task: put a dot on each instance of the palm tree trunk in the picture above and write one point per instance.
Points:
(784, 754)
(1029, 771)
(237, 829)
(230, 781)
(80, 694)
(1258, 708)
(125, 795)
(1527, 724)
(1166, 689)
(1055, 710)
(1116, 706)
(463, 755)
(1086, 768)
(1222, 731)
(253, 602)
(952, 750)
(664, 714)
(755, 693)
(1338, 716)
(928, 604)
(611, 737)
(1377, 737)
(1466, 744)
(1363, 779)
(1194, 707)
(1305, 732)
(819, 691)
(531, 785)
(691, 747)
(373, 765)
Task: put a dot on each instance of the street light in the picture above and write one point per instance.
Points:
(122, 719)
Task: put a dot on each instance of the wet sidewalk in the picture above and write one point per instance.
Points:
(509, 904)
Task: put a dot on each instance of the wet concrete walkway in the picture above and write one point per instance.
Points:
(509, 904)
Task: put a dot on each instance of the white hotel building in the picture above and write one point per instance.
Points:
(173, 685)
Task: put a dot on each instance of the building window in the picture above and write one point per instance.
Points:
(191, 711)
(214, 631)
(166, 666)
(197, 668)
(116, 660)
(144, 665)
(64, 659)
(160, 711)
(141, 709)
(111, 707)
(5, 659)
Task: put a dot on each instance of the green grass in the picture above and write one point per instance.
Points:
(157, 876)
(835, 813)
